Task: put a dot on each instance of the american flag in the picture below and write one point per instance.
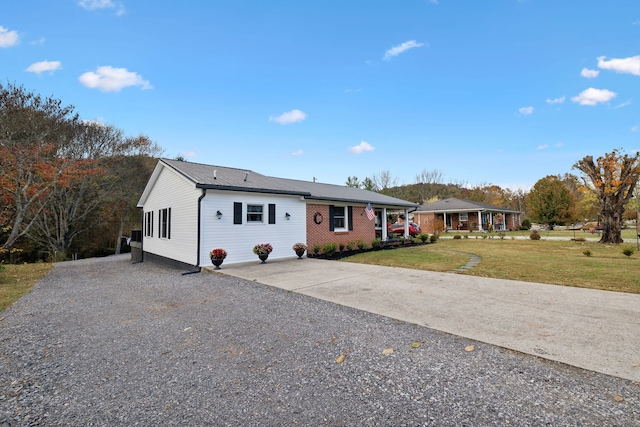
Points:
(370, 213)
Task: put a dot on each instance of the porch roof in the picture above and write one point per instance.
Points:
(460, 205)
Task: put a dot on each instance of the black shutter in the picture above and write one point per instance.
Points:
(350, 216)
(159, 223)
(169, 225)
(272, 213)
(237, 213)
(331, 214)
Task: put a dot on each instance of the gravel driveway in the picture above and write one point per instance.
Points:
(104, 342)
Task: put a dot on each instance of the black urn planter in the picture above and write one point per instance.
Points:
(217, 262)
(300, 252)
(263, 258)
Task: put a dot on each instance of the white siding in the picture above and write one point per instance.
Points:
(239, 239)
(173, 191)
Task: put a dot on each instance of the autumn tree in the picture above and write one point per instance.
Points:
(101, 176)
(428, 182)
(551, 202)
(614, 177)
(384, 180)
(587, 207)
(33, 130)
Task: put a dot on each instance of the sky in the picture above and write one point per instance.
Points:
(501, 92)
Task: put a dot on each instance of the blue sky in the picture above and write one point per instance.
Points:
(498, 92)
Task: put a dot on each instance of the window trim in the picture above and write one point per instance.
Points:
(164, 223)
(464, 216)
(249, 221)
(343, 216)
(348, 218)
(148, 227)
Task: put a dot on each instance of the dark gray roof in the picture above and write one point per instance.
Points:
(459, 205)
(232, 179)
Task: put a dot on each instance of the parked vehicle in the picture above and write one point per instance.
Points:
(398, 228)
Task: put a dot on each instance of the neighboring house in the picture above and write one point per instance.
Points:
(189, 209)
(457, 214)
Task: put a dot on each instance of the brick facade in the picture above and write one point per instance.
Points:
(363, 228)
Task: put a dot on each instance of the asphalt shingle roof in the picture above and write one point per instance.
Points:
(224, 178)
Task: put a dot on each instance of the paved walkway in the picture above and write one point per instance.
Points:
(590, 329)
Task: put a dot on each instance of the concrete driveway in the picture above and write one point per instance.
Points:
(590, 329)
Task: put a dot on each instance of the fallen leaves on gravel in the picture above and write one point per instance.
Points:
(387, 351)
(340, 359)
(469, 348)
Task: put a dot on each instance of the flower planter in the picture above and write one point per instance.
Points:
(263, 258)
(300, 252)
(217, 262)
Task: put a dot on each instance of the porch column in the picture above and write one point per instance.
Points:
(479, 220)
(445, 221)
(406, 223)
(385, 235)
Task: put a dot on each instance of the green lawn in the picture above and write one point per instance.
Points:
(17, 280)
(550, 261)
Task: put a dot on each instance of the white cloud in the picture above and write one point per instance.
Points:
(297, 153)
(42, 66)
(38, 42)
(361, 148)
(397, 50)
(289, 117)
(110, 79)
(8, 38)
(190, 154)
(525, 111)
(97, 122)
(629, 65)
(589, 74)
(102, 4)
(593, 96)
(635, 128)
(542, 147)
(352, 90)
(556, 100)
(559, 144)
(624, 104)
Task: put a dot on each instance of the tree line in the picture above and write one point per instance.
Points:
(68, 187)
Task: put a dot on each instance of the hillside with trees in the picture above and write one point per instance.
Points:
(68, 187)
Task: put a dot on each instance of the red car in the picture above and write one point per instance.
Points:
(398, 228)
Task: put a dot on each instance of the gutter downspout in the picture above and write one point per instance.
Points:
(204, 193)
(197, 266)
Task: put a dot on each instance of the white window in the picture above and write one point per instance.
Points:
(464, 216)
(148, 227)
(165, 223)
(339, 218)
(254, 213)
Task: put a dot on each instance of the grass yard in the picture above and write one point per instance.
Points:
(551, 261)
(17, 280)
